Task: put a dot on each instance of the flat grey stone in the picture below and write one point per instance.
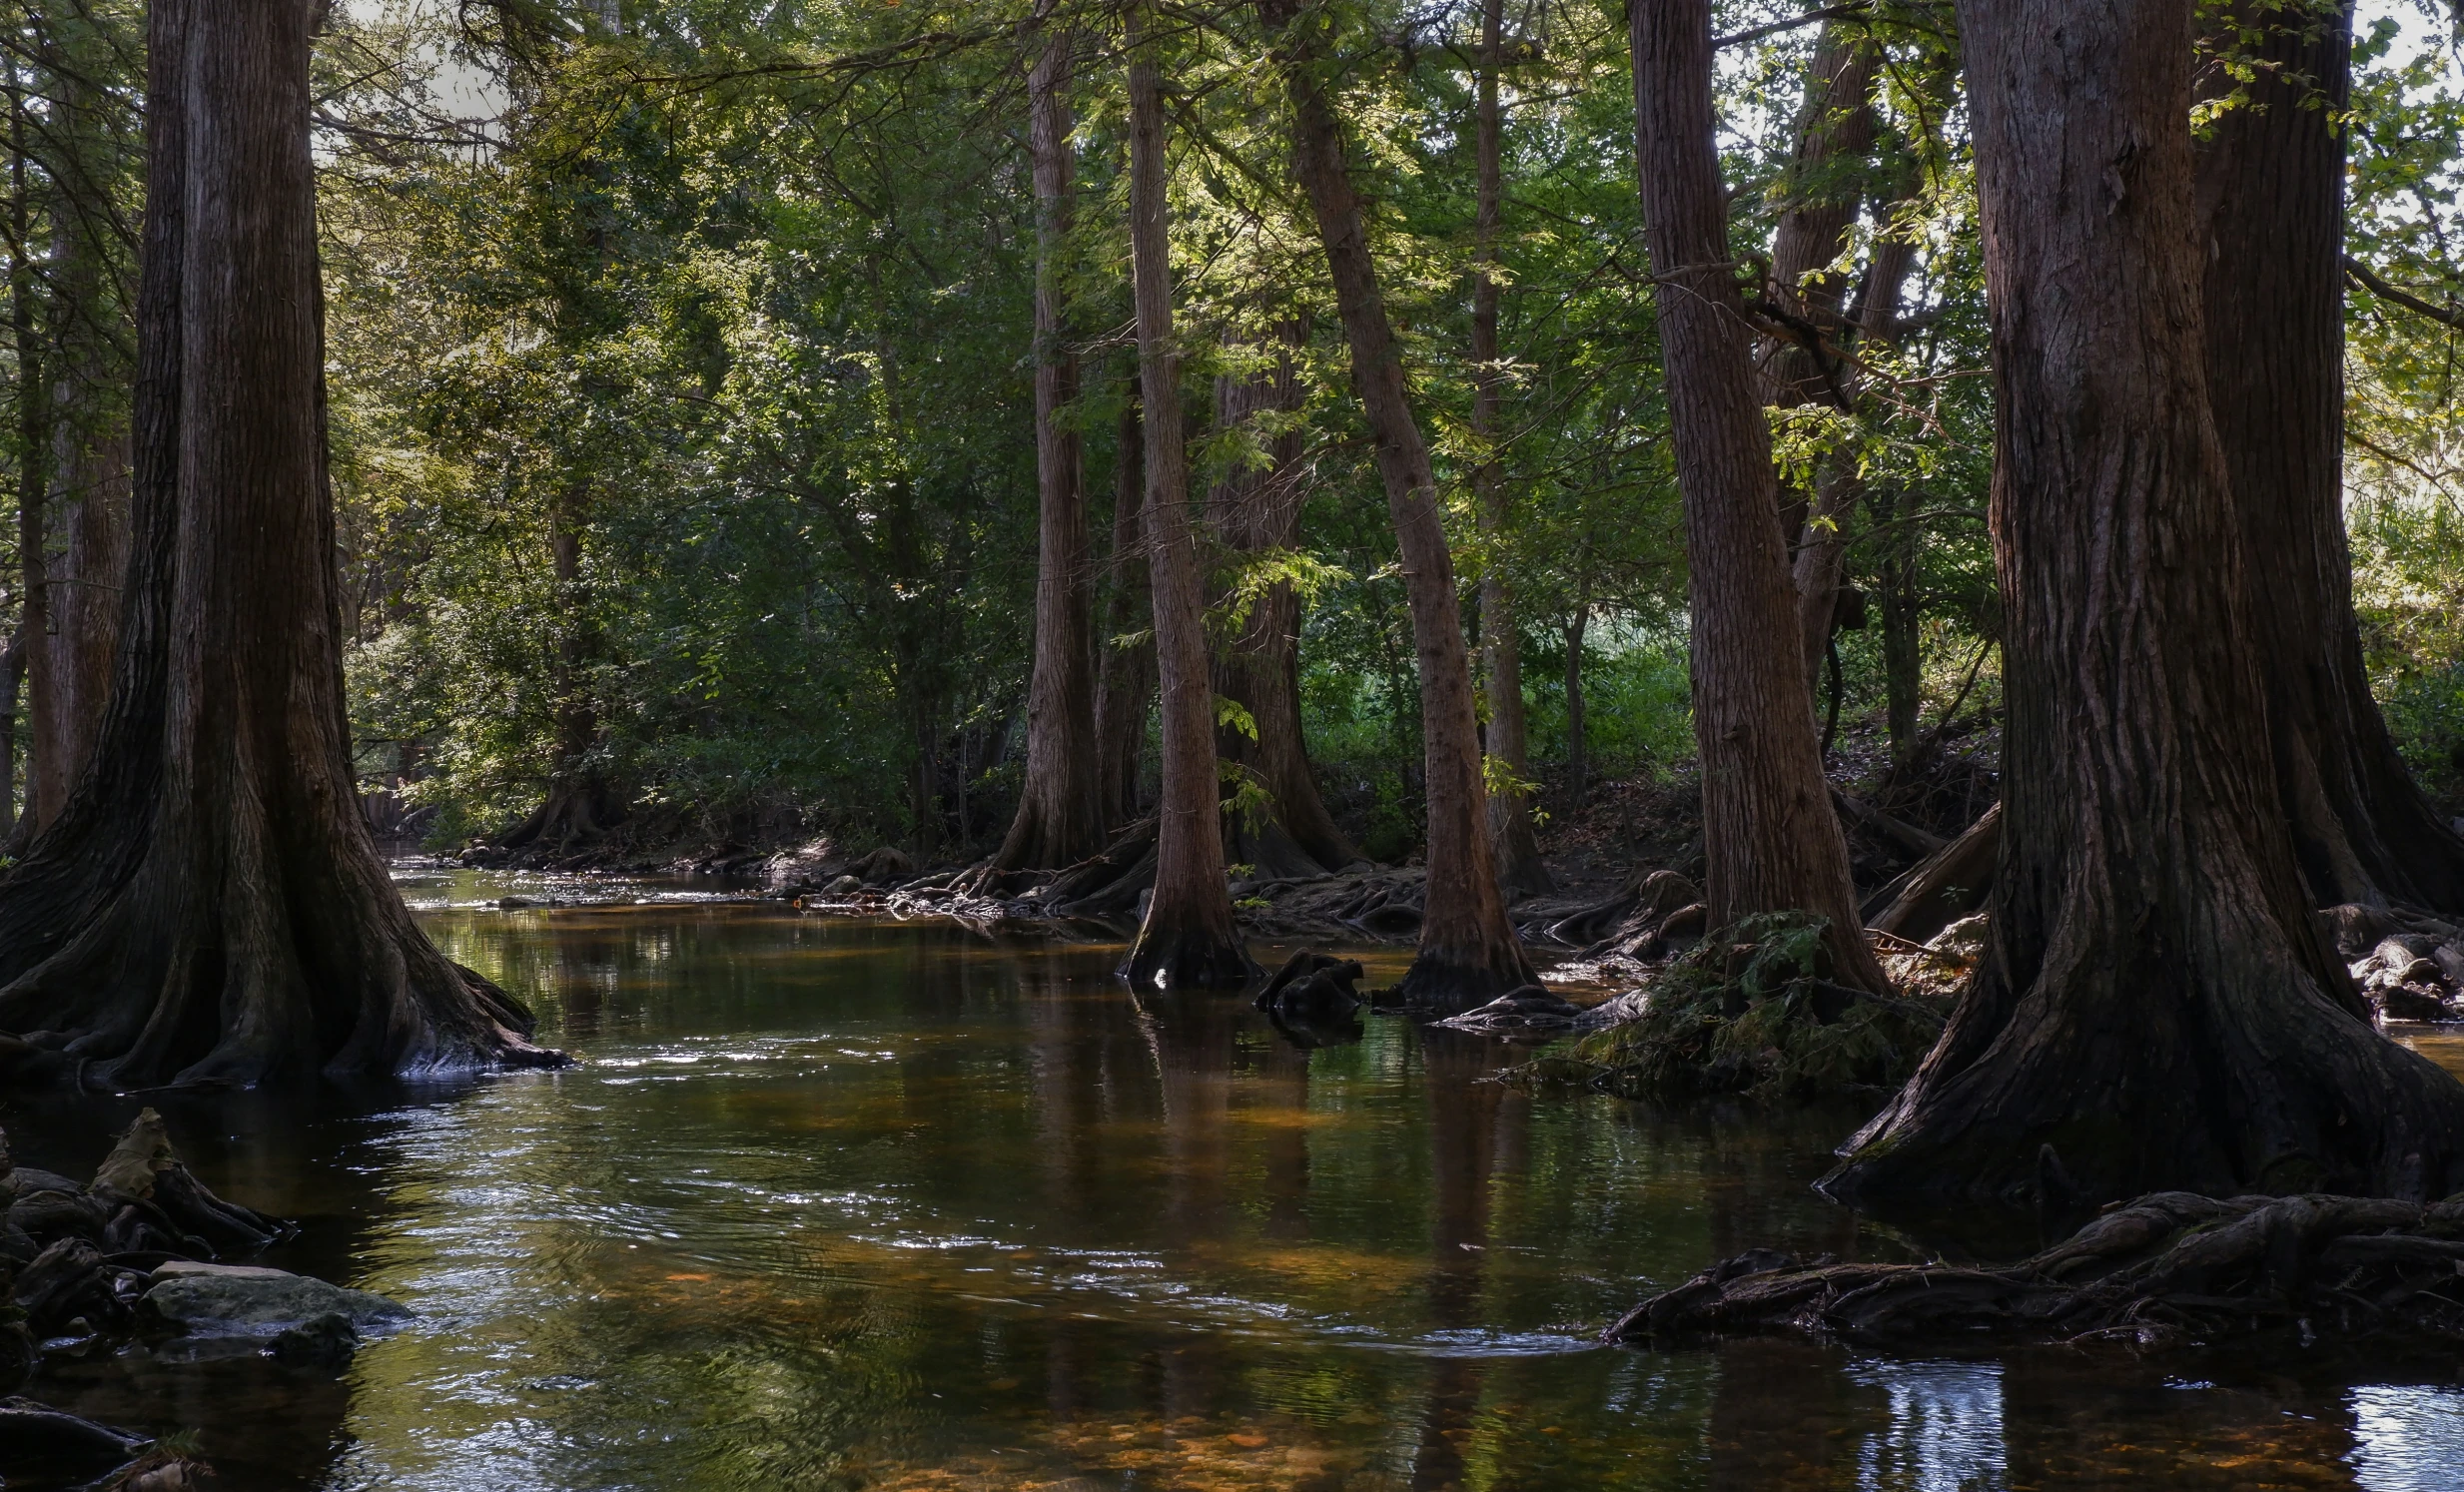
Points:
(238, 1300)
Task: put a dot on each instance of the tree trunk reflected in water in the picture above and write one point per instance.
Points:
(832, 1204)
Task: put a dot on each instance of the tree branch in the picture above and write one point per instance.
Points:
(1811, 17)
(2362, 275)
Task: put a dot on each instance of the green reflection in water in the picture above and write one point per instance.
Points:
(839, 1204)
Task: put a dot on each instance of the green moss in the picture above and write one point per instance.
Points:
(1751, 1013)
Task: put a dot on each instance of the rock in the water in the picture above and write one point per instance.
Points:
(844, 886)
(1313, 987)
(35, 1436)
(2411, 1001)
(231, 1299)
(326, 1343)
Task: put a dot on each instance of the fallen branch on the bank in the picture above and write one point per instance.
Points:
(2169, 1268)
(2409, 962)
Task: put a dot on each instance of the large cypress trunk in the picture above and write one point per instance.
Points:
(1186, 939)
(1771, 841)
(2271, 194)
(1059, 818)
(2156, 1004)
(208, 907)
(1258, 513)
(1468, 953)
(1501, 644)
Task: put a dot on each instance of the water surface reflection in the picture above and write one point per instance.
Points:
(833, 1204)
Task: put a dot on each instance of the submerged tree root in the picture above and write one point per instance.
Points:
(2170, 1269)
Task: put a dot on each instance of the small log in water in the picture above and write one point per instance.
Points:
(2167, 1269)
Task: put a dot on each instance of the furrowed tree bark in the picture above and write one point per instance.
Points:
(1060, 811)
(2157, 1002)
(1258, 513)
(1125, 679)
(2270, 193)
(1771, 842)
(1468, 953)
(1501, 649)
(208, 907)
(1186, 939)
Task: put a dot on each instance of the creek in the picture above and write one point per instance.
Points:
(832, 1204)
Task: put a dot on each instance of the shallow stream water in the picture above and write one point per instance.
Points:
(840, 1205)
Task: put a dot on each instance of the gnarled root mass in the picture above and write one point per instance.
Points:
(1751, 1011)
(2170, 1269)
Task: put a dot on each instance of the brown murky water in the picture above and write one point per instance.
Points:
(840, 1205)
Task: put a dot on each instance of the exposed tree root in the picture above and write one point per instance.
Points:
(1636, 923)
(2169, 1268)
(1753, 1011)
(573, 813)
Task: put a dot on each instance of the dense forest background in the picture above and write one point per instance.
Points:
(682, 391)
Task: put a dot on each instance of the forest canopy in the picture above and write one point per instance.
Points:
(682, 366)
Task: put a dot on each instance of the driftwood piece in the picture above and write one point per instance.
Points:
(1906, 836)
(1945, 887)
(2167, 1269)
